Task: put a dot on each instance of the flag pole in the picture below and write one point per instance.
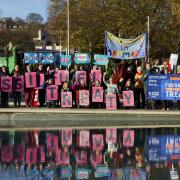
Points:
(67, 27)
(148, 30)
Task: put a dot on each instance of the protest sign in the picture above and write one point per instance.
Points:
(66, 172)
(52, 142)
(96, 75)
(61, 76)
(65, 60)
(30, 79)
(66, 137)
(98, 142)
(19, 152)
(173, 59)
(31, 155)
(82, 173)
(6, 84)
(128, 98)
(7, 153)
(46, 58)
(97, 94)
(40, 80)
(81, 157)
(100, 59)
(84, 140)
(41, 154)
(31, 58)
(102, 171)
(81, 75)
(83, 97)
(111, 101)
(128, 138)
(18, 84)
(66, 99)
(81, 58)
(111, 135)
(52, 93)
(96, 158)
(61, 157)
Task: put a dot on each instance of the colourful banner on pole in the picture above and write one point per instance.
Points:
(31, 58)
(102, 171)
(82, 173)
(100, 59)
(65, 60)
(66, 172)
(46, 58)
(81, 58)
(119, 48)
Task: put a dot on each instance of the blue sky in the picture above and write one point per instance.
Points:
(20, 8)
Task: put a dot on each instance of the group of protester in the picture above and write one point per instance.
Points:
(125, 76)
(47, 167)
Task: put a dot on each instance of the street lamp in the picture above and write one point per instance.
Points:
(67, 26)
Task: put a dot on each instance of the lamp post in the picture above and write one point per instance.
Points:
(67, 26)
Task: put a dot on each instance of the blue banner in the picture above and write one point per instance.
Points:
(31, 58)
(46, 58)
(120, 48)
(81, 58)
(65, 60)
(102, 171)
(100, 59)
(82, 173)
(66, 172)
(163, 87)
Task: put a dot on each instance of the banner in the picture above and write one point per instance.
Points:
(128, 138)
(163, 87)
(61, 157)
(66, 137)
(96, 158)
(30, 80)
(52, 93)
(31, 58)
(31, 155)
(65, 60)
(97, 94)
(83, 97)
(102, 171)
(111, 101)
(173, 59)
(82, 173)
(61, 76)
(128, 98)
(18, 84)
(52, 142)
(100, 59)
(81, 58)
(98, 142)
(19, 152)
(119, 48)
(66, 99)
(66, 172)
(7, 153)
(46, 58)
(81, 157)
(96, 75)
(111, 135)
(6, 84)
(81, 75)
(84, 140)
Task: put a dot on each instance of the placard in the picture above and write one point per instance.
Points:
(111, 135)
(66, 99)
(61, 157)
(18, 84)
(52, 142)
(6, 84)
(111, 101)
(66, 137)
(65, 60)
(40, 80)
(31, 58)
(81, 75)
(82, 173)
(46, 58)
(96, 75)
(84, 140)
(81, 58)
(52, 93)
(128, 138)
(19, 152)
(31, 155)
(81, 157)
(100, 59)
(128, 98)
(30, 80)
(97, 94)
(96, 158)
(98, 142)
(102, 171)
(83, 97)
(7, 153)
(61, 76)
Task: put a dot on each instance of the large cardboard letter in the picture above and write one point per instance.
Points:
(62, 157)
(81, 157)
(96, 158)
(7, 153)
(31, 155)
(18, 84)
(52, 93)
(111, 102)
(31, 79)
(111, 136)
(128, 138)
(96, 76)
(83, 97)
(6, 84)
(66, 99)
(81, 75)
(128, 98)
(66, 137)
(84, 140)
(98, 142)
(61, 76)
(97, 94)
(52, 142)
(19, 152)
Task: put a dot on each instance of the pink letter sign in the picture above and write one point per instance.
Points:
(84, 139)
(52, 93)
(96, 75)
(52, 142)
(61, 76)
(66, 137)
(81, 157)
(98, 142)
(7, 153)
(40, 80)
(18, 84)
(111, 102)
(41, 154)
(128, 98)
(96, 158)
(6, 84)
(128, 138)
(111, 135)
(62, 157)
(97, 94)
(66, 99)
(30, 78)
(19, 152)
(31, 155)
(81, 75)
(83, 97)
